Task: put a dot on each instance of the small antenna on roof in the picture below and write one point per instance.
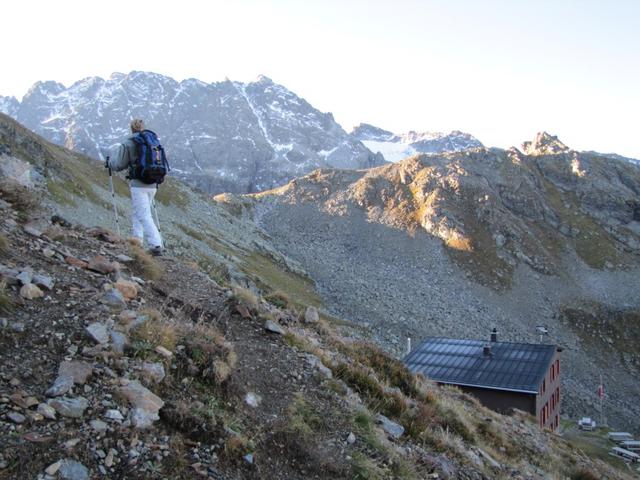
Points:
(542, 331)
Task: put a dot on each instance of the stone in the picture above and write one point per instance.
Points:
(249, 458)
(53, 468)
(33, 228)
(108, 461)
(315, 362)
(153, 372)
(163, 351)
(16, 417)
(76, 262)
(114, 415)
(78, 370)
(98, 332)
(101, 265)
(311, 315)
(243, 311)
(119, 342)
(146, 403)
(140, 396)
(70, 407)
(126, 317)
(43, 281)
(252, 399)
(114, 298)
(273, 327)
(98, 425)
(124, 258)
(31, 291)
(351, 438)
(393, 429)
(48, 253)
(129, 290)
(25, 277)
(47, 411)
(73, 470)
(141, 418)
(61, 386)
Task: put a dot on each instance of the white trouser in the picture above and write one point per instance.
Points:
(143, 226)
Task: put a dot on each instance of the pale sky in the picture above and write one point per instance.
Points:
(500, 70)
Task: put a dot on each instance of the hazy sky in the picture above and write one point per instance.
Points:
(500, 70)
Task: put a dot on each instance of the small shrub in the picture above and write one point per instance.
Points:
(144, 263)
(303, 419)
(365, 468)
(157, 330)
(24, 200)
(393, 371)
(584, 474)
(214, 359)
(236, 447)
(246, 297)
(279, 299)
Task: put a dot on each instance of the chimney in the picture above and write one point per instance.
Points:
(494, 335)
(486, 351)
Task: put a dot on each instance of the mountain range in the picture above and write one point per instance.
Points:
(220, 137)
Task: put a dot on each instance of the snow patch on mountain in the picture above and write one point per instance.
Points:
(398, 147)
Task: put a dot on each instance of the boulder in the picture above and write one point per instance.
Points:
(79, 371)
(31, 291)
(129, 290)
(70, 407)
(311, 315)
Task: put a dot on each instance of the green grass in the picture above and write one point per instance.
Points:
(275, 277)
(303, 419)
(197, 234)
(592, 244)
(172, 193)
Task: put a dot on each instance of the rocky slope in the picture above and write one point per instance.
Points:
(398, 147)
(456, 244)
(225, 136)
(117, 365)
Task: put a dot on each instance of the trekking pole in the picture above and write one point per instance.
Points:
(155, 212)
(113, 194)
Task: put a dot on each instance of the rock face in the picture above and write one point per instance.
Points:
(226, 136)
(398, 147)
(458, 243)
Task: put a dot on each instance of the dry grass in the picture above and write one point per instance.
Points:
(6, 303)
(209, 352)
(279, 299)
(246, 297)
(157, 330)
(5, 244)
(144, 263)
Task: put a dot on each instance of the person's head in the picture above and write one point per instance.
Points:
(137, 125)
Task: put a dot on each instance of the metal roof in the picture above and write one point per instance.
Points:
(518, 367)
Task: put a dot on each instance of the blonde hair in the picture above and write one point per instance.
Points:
(137, 125)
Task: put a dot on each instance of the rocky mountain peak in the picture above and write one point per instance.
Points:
(365, 131)
(221, 137)
(544, 144)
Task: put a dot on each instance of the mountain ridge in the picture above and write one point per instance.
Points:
(458, 243)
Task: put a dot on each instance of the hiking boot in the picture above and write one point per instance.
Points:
(156, 251)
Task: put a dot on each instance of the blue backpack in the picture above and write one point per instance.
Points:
(151, 164)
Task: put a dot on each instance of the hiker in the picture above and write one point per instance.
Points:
(142, 193)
